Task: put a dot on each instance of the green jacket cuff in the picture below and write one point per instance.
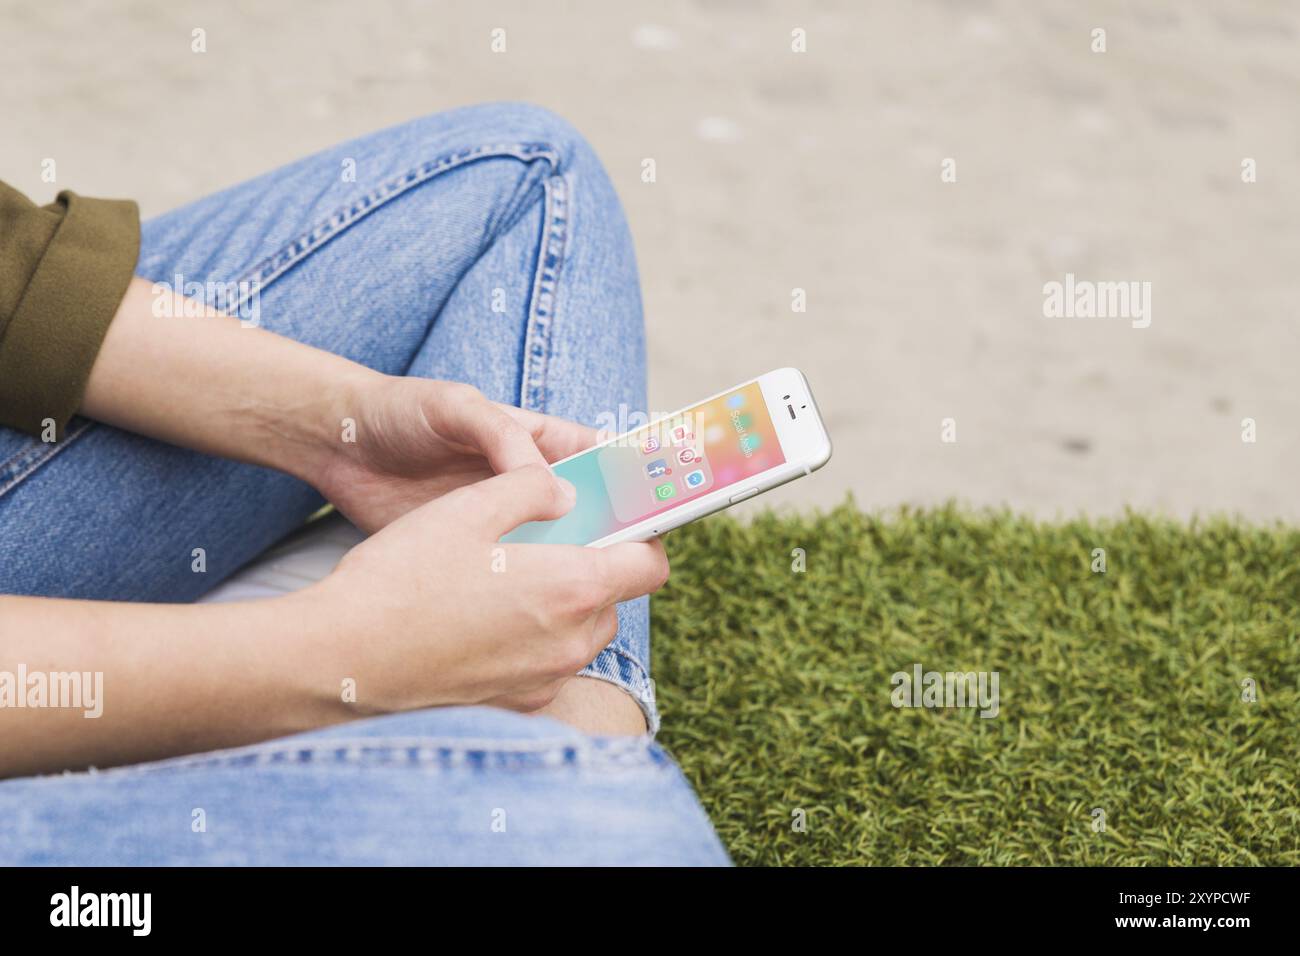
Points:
(49, 345)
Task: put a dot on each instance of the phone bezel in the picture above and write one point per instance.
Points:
(804, 442)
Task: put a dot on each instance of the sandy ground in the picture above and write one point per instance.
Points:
(822, 171)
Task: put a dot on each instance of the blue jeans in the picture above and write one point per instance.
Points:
(484, 245)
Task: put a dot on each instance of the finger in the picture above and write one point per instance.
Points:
(556, 437)
(485, 426)
(631, 569)
(504, 502)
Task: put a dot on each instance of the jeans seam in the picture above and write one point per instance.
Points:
(296, 250)
(552, 249)
(557, 231)
(518, 754)
(23, 471)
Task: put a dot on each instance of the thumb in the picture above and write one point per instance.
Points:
(504, 502)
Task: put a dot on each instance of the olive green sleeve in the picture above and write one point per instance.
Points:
(63, 271)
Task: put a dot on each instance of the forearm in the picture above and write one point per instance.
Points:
(215, 385)
(175, 679)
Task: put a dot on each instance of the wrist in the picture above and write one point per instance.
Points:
(307, 439)
(321, 656)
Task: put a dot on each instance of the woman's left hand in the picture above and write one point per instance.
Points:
(409, 440)
(375, 445)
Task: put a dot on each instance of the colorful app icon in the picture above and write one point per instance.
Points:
(749, 443)
(681, 435)
(695, 478)
(657, 468)
(665, 491)
(650, 445)
(736, 401)
(687, 456)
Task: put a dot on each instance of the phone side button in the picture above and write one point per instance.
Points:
(743, 495)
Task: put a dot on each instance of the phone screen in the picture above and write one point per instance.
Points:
(647, 472)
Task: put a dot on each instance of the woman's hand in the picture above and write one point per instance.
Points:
(433, 610)
(375, 445)
(407, 441)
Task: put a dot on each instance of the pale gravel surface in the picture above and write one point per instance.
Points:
(820, 171)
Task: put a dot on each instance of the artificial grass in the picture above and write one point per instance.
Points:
(1120, 691)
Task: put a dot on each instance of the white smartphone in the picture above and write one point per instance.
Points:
(703, 458)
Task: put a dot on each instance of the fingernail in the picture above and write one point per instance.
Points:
(566, 488)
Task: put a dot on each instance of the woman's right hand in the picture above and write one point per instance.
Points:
(433, 610)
